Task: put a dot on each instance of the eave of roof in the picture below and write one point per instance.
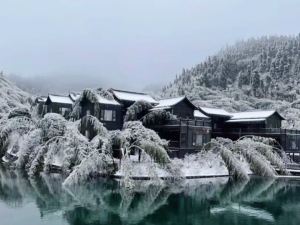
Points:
(215, 112)
(255, 115)
(198, 114)
(60, 99)
(245, 120)
(132, 96)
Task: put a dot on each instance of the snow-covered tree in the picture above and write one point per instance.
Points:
(137, 110)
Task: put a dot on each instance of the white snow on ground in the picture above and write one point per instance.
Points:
(201, 164)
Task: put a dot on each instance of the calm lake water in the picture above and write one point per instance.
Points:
(209, 201)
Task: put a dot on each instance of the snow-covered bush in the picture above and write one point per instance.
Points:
(258, 152)
(52, 125)
(92, 96)
(137, 110)
(157, 152)
(135, 132)
(94, 165)
(30, 142)
(15, 125)
(93, 126)
(265, 146)
(19, 112)
(157, 117)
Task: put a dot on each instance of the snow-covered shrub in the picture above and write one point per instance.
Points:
(94, 165)
(265, 147)
(232, 163)
(52, 125)
(258, 163)
(134, 131)
(137, 110)
(19, 112)
(157, 152)
(37, 163)
(16, 125)
(157, 117)
(257, 152)
(93, 126)
(31, 141)
(92, 96)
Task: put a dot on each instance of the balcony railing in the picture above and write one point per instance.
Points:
(189, 122)
(256, 131)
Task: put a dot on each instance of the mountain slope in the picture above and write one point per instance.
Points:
(11, 96)
(260, 73)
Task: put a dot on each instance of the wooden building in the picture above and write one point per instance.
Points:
(188, 132)
(58, 104)
(255, 119)
(217, 116)
(261, 123)
(180, 107)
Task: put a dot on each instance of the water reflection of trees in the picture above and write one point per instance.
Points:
(205, 201)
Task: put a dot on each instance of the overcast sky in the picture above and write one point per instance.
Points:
(128, 43)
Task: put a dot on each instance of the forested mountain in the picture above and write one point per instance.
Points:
(259, 73)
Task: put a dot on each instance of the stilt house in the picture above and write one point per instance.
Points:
(188, 132)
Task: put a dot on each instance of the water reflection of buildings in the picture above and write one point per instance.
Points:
(208, 201)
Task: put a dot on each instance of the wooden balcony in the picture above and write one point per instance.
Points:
(185, 122)
(256, 131)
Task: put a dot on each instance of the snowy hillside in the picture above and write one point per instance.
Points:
(11, 96)
(261, 73)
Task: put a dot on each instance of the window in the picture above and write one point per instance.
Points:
(64, 111)
(198, 139)
(108, 115)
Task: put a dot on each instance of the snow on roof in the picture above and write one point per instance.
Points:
(246, 120)
(103, 100)
(41, 99)
(167, 103)
(133, 96)
(215, 111)
(74, 96)
(252, 116)
(198, 114)
(60, 99)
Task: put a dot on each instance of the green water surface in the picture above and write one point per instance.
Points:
(204, 201)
